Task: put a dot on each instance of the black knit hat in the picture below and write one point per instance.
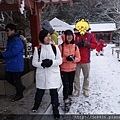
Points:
(43, 33)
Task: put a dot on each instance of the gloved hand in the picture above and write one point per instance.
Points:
(85, 43)
(70, 58)
(46, 63)
(79, 44)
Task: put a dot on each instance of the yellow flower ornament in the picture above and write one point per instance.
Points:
(82, 26)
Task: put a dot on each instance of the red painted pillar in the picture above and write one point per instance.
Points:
(35, 27)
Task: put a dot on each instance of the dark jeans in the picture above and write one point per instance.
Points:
(53, 93)
(67, 80)
(14, 78)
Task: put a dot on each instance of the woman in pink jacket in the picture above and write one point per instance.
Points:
(70, 56)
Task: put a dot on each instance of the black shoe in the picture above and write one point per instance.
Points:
(57, 117)
(56, 112)
(17, 97)
(96, 54)
(34, 109)
(101, 54)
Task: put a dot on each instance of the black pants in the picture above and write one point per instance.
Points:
(14, 78)
(53, 93)
(67, 80)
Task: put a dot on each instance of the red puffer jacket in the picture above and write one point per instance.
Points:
(85, 50)
(100, 45)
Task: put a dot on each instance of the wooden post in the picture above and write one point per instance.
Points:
(110, 37)
(35, 28)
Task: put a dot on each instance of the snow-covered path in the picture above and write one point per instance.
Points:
(104, 87)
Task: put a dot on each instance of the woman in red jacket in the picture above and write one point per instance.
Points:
(70, 55)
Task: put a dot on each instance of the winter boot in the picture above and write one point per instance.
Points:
(67, 103)
(35, 107)
(17, 97)
(56, 112)
(86, 93)
(101, 54)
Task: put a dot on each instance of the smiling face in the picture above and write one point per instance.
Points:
(69, 38)
(82, 26)
(47, 39)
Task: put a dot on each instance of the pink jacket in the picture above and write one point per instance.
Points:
(69, 49)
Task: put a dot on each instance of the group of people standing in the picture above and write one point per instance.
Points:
(55, 64)
(62, 63)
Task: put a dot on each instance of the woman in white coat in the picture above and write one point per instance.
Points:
(47, 71)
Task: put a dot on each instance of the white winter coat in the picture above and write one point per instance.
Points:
(47, 78)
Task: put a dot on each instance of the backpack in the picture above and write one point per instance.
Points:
(39, 50)
(63, 48)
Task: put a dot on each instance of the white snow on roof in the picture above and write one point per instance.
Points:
(97, 27)
(103, 27)
(60, 25)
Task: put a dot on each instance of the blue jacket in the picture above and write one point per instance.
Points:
(14, 54)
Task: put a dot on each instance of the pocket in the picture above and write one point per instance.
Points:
(13, 65)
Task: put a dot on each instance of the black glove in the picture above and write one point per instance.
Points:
(85, 43)
(79, 44)
(46, 63)
(70, 58)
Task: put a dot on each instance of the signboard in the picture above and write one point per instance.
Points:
(3, 39)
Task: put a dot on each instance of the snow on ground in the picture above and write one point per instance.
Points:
(104, 87)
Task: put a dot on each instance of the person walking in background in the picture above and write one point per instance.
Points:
(70, 56)
(14, 60)
(54, 35)
(85, 41)
(47, 62)
(24, 40)
(100, 48)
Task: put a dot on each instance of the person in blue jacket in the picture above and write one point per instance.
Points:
(14, 60)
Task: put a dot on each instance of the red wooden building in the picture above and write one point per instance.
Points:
(34, 6)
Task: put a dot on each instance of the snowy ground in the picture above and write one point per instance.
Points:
(104, 87)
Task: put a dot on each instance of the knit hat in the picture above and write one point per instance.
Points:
(46, 25)
(43, 33)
